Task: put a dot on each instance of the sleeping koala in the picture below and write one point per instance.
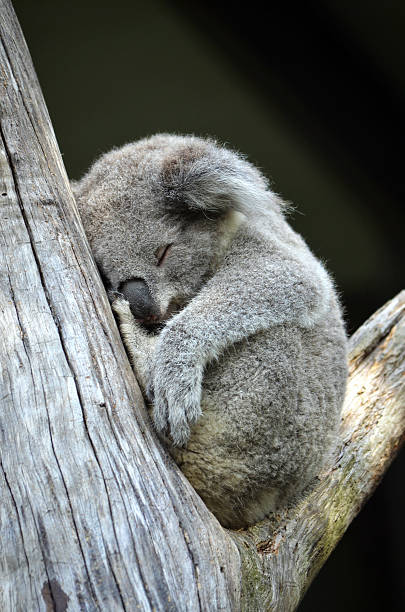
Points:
(232, 325)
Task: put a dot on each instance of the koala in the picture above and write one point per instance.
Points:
(232, 325)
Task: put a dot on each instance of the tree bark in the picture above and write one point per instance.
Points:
(94, 515)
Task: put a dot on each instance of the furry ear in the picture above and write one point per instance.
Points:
(215, 181)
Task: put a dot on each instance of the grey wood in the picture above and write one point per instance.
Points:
(94, 515)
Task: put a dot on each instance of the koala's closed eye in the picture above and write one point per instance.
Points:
(162, 253)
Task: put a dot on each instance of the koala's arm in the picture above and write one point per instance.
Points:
(251, 292)
(139, 344)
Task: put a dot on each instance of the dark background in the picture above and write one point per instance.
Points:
(313, 93)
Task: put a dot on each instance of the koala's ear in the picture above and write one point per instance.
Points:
(215, 183)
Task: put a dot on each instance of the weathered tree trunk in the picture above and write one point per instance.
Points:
(93, 514)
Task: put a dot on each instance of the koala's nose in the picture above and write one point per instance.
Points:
(140, 299)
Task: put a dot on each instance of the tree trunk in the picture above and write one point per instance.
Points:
(94, 515)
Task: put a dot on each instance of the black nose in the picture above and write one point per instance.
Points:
(140, 299)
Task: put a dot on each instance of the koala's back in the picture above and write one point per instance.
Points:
(270, 412)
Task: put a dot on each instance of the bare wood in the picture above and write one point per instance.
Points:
(94, 515)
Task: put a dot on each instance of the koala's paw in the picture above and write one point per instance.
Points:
(129, 328)
(136, 341)
(121, 308)
(175, 391)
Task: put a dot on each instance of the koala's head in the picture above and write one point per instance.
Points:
(157, 213)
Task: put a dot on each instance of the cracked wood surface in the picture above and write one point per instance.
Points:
(93, 514)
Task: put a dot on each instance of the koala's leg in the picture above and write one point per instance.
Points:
(139, 344)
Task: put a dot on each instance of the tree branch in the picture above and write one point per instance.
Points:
(288, 551)
(94, 514)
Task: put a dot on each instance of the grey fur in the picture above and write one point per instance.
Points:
(248, 375)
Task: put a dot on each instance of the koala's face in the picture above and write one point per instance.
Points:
(157, 264)
(154, 213)
(156, 256)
